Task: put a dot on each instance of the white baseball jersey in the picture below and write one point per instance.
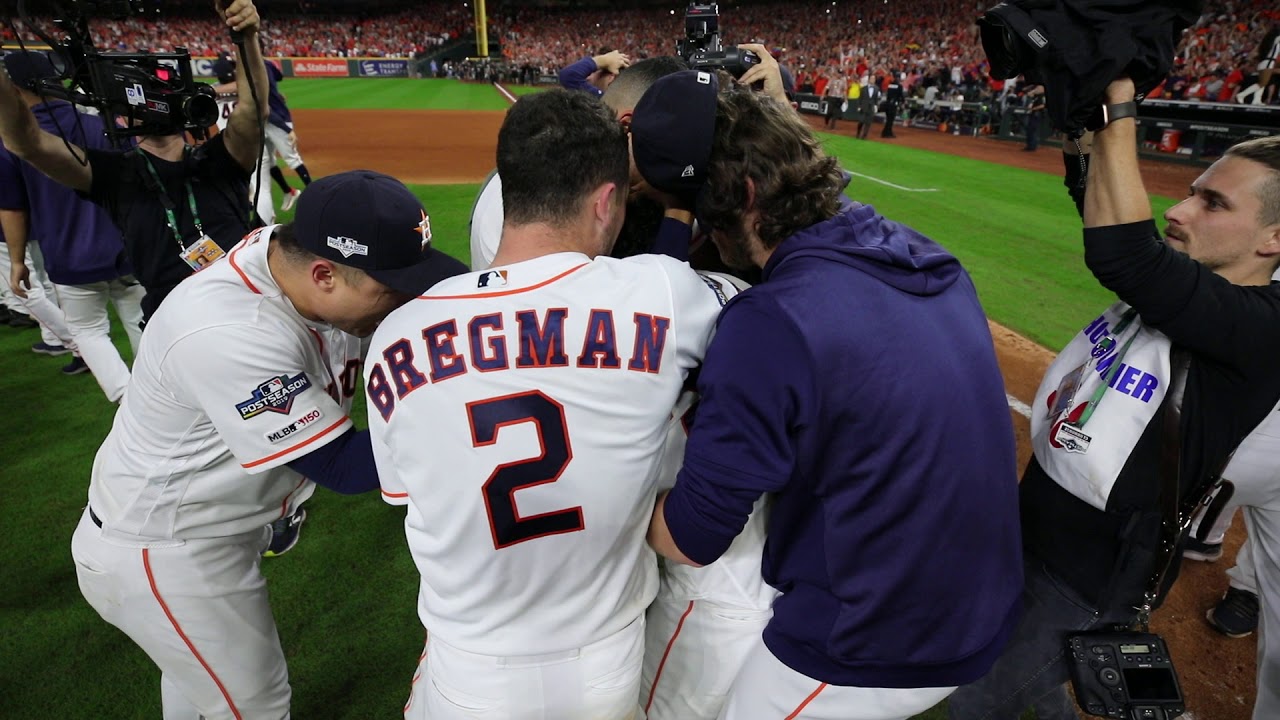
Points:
(734, 579)
(521, 413)
(230, 383)
(266, 206)
(486, 222)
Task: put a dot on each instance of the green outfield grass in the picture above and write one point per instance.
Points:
(389, 94)
(345, 598)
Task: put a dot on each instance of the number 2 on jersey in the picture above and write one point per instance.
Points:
(487, 418)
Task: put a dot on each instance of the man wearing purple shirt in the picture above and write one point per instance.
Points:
(82, 249)
(857, 383)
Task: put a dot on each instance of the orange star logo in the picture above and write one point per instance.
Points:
(424, 228)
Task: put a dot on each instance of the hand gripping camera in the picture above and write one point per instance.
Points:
(701, 44)
(153, 93)
(1124, 675)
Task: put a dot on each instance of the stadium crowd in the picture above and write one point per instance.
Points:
(923, 42)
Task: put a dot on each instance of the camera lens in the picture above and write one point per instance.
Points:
(201, 110)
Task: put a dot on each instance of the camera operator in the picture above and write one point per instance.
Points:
(1196, 333)
(179, 207)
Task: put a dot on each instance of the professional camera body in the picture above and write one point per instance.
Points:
(1126, 675)
(701, 45)
(153, 93)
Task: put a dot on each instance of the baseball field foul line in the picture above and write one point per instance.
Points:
(1018, 406)
(889, 184)
(506, 93)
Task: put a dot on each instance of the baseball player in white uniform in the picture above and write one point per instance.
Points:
(242, 389)
(227, 99)
(704, 621)
(540, 389)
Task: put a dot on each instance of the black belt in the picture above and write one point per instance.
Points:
(94, 517)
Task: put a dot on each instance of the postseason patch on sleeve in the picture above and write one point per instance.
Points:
(275, 395)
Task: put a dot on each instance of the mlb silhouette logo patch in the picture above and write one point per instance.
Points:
(275, 395)
(492, 278)
(347, 246)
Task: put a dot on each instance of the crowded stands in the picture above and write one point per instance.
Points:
(926, 42)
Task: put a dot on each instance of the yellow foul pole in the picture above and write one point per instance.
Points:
(482, 30)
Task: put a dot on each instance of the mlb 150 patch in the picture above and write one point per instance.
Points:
(275, 395)
(309, 418)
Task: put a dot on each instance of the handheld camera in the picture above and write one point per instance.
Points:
(153, 93)
(1124, 675)
(701, 46)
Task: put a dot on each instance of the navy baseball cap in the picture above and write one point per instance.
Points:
(370, 221)
(672, 130)
(28, 68)
(224, 69)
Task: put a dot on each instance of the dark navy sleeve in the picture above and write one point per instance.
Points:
(574, 77)
(344, 465)
(673, 239)
(753, 392)
(13, 189)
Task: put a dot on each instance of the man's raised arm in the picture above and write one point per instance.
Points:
(48, 153)
(243, 134)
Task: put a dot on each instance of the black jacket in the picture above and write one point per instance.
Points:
(1075, 48)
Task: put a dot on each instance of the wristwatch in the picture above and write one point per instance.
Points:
(1106, 114)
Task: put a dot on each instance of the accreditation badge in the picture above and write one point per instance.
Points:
(1071, 438)
(1064, 397)
(202, 253)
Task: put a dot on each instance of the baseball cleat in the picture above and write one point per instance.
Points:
(284, 533)
(21, 321)
(290, 200)
(44, 348)
(1236, 614)
(76, 367)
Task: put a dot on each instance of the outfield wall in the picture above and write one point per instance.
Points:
(328, 67)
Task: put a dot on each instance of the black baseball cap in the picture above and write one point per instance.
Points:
(28, 68)
(672, 130)
(370, 221)
(224, 69)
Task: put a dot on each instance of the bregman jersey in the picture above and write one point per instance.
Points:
(230, 383)
(521, 413)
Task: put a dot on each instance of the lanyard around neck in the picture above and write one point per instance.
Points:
(168, 211)
(1112, 371)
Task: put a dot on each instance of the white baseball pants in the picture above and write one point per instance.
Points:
(768, 690)
(596, 682)
(284, 144)
(199, 609)
(693, 652)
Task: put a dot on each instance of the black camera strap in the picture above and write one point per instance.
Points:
(1176, 516)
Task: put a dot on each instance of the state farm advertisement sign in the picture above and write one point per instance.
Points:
(321, 68)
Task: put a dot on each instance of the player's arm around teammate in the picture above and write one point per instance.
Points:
(227, 414)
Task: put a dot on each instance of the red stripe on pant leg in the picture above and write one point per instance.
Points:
(418, 673)
(796, 713)
(658, 676)
(146, 563)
